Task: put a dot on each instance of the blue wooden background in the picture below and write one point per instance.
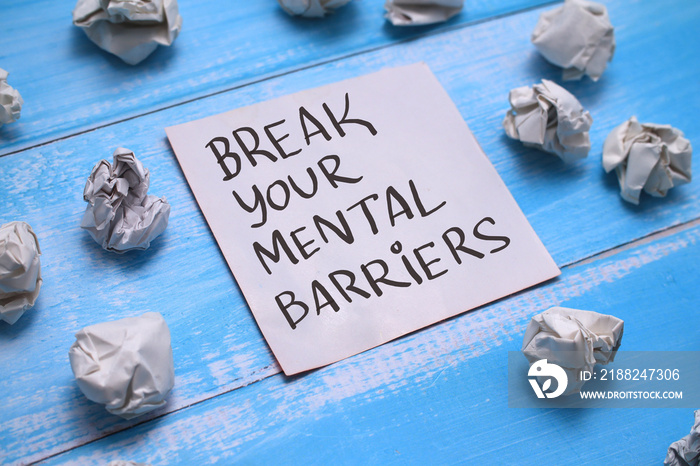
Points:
(438, 395)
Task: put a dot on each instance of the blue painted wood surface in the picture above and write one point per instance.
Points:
(439, 395)
(70, 85)
(436, 394)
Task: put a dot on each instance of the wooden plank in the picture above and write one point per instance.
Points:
(440, 395)
(574, 208)
(69, 85)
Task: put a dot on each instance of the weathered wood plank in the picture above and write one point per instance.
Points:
(69, 85)
(440, 395)
(574, 208)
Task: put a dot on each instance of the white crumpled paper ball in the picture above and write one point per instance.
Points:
(647, 156)
(10, 101)
(311, 8)
(549, 118)
(686, 451)
(420, 12)
(120, 215)
(20, 270)
(573, 339)
(578, 37)
(126, 365)
(130, 29)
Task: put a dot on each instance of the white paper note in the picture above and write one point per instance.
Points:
(381, 213)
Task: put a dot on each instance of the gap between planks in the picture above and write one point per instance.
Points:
(641, 241)
(274, 369)
(270, 77)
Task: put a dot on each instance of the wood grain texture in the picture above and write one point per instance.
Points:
(70, 85)
(574, 208)
(440, 395)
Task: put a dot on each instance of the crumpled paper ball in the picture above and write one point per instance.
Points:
(10, 101)
(130, 29)
(420, 12)
(573, 339)
(120, 214)
(311, 8)
(578, 37)
(647, 156)
(126, 365)
(20, 270)
(549, 118)
(686, 451)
